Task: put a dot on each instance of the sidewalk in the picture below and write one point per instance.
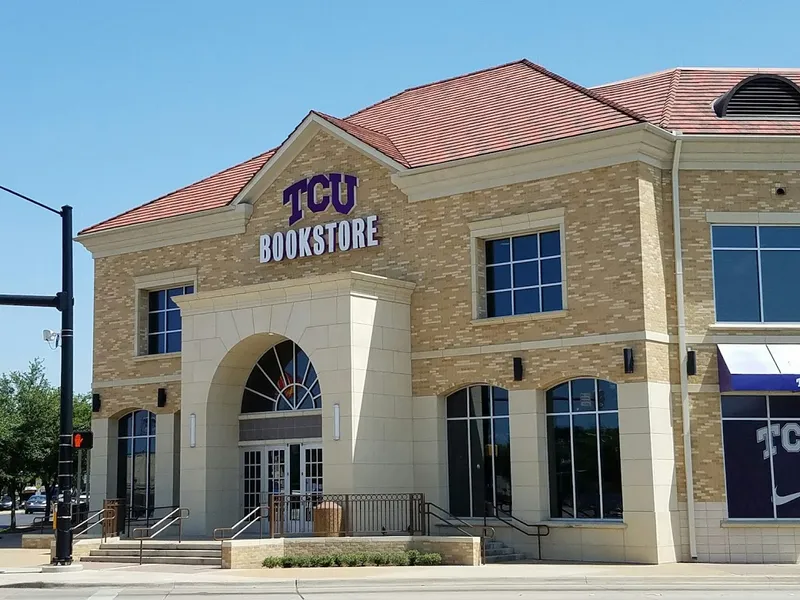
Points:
(491, 577)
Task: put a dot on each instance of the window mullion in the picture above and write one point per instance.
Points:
(758, 269)
(511, 274)
(572, 458)
(771, 461)
(597, 434)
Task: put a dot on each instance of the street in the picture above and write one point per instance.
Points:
(23, 520)
(286, 594)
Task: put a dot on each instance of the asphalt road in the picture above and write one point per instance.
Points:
(23, 520)
(237, 591)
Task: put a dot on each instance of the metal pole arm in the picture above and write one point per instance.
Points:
(40, 301)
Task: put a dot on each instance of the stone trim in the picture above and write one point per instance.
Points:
(753, 218)
(553, 314)
(584, 340)
(288, 151)
(779, 523)
(635, 143)
(294, 290)
(203, 225)
(584, 524)
(98, 385)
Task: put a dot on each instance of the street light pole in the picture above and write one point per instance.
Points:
(64, 522)
(63, 301)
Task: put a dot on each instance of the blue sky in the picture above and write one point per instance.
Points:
(106, 105)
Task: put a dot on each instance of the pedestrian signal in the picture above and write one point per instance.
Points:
(82, 440)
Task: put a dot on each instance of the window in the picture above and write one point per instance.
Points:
(583, 450)
(755, 273)
(761, 444)
(283, 379)
(164, 320)
(136, 462)
(478, 450)
(523, 274)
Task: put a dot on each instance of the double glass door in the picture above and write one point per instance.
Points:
(290, 472)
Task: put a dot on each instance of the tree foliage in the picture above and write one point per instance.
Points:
(29, 429)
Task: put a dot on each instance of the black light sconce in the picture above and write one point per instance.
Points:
(691, 363)
(517, 368)
(95, 402)
(627, 357)
(162, 397)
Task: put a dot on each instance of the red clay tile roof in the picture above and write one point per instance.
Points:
(681, 99)
(212, 192)
(510, 106)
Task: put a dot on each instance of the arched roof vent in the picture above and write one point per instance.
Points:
(760, 96)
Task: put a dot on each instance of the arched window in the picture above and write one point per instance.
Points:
(583, 450)
(283, 379)
(479, 450)
(136, 465)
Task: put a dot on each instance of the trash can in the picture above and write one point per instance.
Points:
(328, 520)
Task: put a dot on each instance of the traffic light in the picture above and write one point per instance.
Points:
(82, 440)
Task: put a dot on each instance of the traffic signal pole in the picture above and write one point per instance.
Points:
(64, 302)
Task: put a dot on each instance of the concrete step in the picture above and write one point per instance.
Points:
(505, 558)
(156, 560)
(160, 545)
(157, 552)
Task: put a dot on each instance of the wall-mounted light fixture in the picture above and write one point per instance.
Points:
(337, 414)
(95, 402)
(192, 430)
(627, 358)
(162, 397)
(517, 368)
(691, 363)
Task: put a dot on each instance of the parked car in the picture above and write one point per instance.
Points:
(6, 503)
(36, 503)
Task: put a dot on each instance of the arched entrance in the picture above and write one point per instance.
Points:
(281, 432)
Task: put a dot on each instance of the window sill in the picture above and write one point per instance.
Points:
(756, 326)
(584, 524)
(553, 314)
(148, 357)
(782, 523)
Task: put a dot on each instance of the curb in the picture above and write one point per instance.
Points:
(442, 585)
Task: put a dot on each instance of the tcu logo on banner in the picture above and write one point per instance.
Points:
(321, 191)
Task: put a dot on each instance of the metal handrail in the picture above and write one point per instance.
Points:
(511, 523)
(218, 533)
(108, 517)
(147, 511)
(175, 519)
(487, 531)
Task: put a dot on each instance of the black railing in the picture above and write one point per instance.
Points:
(450, 520)
(144, 516)
(505, 517)
(345, 514)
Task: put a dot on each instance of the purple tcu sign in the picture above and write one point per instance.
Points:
(329, 182)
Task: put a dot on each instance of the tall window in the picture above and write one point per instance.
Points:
(761, 444)
(755, 273)
(479, 450)
(283, 379)
(523, 274)
(583, 450)
(136, 464)
(164, 320)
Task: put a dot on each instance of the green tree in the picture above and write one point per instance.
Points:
(29, 430)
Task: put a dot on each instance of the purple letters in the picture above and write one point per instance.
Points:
(319, 202)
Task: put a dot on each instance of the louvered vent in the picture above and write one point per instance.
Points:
(761, 97)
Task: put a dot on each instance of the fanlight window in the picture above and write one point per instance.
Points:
(283, 379)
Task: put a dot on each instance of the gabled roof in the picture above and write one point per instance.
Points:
(682, 99)
(510, 106)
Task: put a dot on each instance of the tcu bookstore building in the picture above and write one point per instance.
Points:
(510, 293)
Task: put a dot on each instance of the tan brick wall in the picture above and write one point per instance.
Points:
(424, 242)
(116, 401)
